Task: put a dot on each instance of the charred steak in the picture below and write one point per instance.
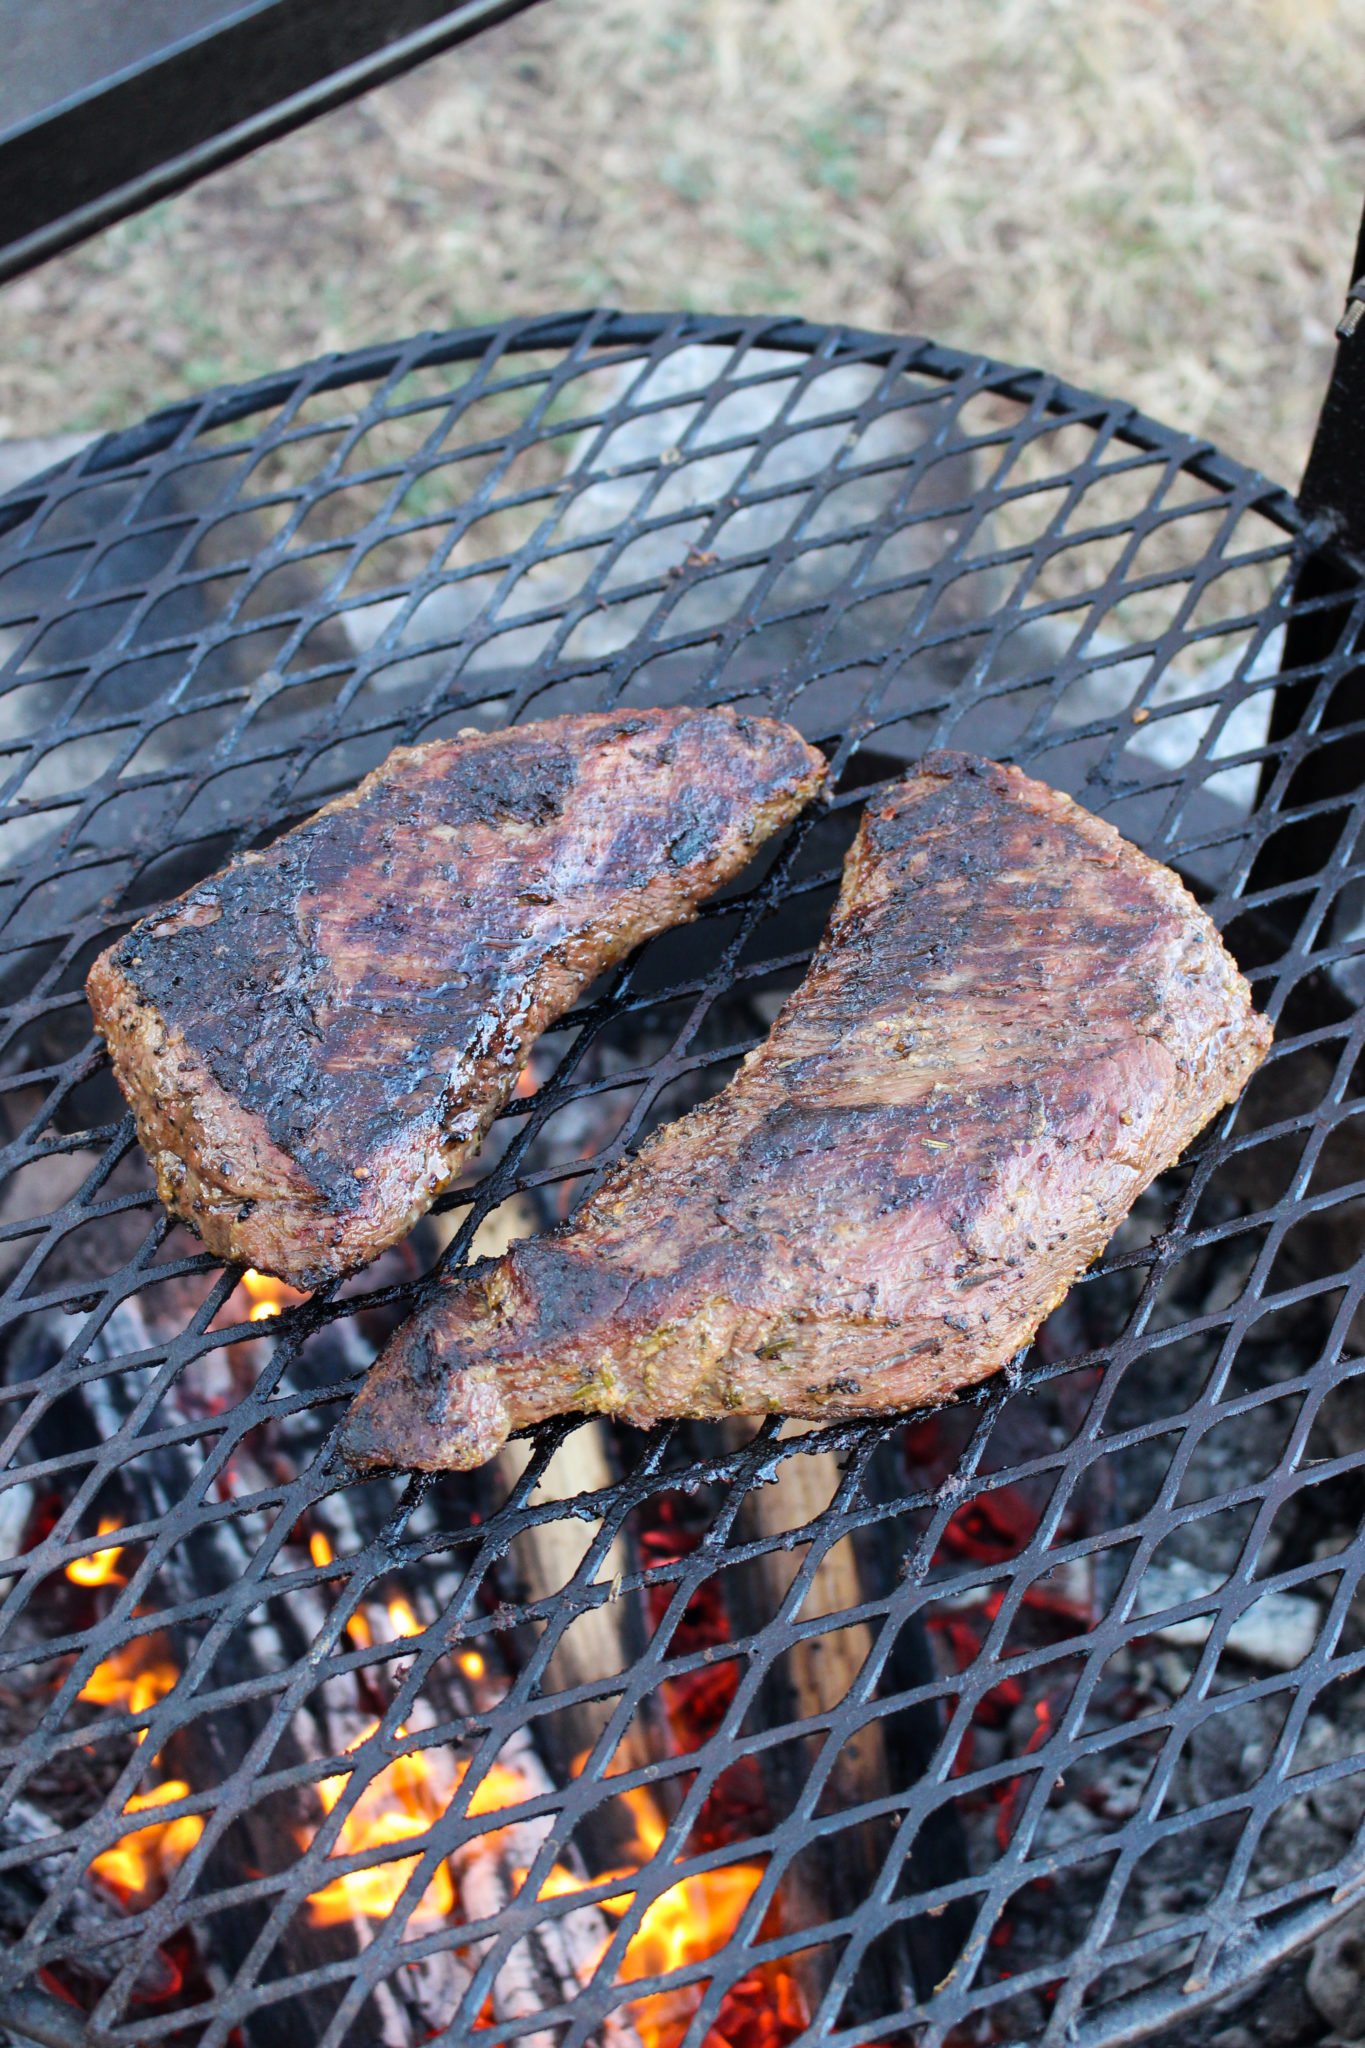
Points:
(1014, 1022)
(314, 1040)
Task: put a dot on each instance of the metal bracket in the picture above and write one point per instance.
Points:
(1355, 311)
(103, 111)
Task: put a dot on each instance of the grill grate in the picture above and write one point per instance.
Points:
(210, 623)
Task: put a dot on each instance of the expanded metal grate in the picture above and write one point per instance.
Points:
(1039, 1719)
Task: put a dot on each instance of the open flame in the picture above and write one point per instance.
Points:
(135, 1678)
(136, 1867)
(688, 1922)
(99, 1568)
(402, 1620)
(268, 1296)
(402, 1617)
(399, 1803)
(685, 1924)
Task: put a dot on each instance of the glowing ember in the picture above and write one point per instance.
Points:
(690, 1921)
(268, 1297)
(98, 1569)
(686, 1923)
(399, 1803)
(139, 1863)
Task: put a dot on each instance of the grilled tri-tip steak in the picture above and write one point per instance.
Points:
(1014, 1022)
(314, 1040)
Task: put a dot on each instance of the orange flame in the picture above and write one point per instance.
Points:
(471, 1663)
(135, 1677)
(139, 1863)
(685, 1924)
(402, 1620)
(400, 1802)
(137, 1866)
(98, 1569)
(688, 1922)
(267, 1295)
(401, 1617)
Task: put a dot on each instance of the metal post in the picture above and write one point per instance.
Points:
(1332, 497)
(1334, 482)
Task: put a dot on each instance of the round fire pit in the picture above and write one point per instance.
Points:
(1037, 1719)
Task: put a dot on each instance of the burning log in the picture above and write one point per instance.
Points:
(401, 1803)
(89, 1917)
(558, 1952)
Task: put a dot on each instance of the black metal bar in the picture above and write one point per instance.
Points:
(1332, 500)
(201, 100)
(1333, 487)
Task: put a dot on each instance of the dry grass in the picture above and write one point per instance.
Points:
(1154, 197)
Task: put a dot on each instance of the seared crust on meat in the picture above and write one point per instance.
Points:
(1014, 1023)
(315, 1039)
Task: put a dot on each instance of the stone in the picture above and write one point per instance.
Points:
(1336, 1976)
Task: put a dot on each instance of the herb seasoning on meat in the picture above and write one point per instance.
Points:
(1014, 1023)
(314, 1040)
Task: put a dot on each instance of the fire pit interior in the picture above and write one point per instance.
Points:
(1037, 1719)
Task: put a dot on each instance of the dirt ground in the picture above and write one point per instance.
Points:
(1154, 197)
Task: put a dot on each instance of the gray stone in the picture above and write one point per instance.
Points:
(19, 460)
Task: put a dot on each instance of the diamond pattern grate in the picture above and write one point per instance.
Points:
(1041, 1719)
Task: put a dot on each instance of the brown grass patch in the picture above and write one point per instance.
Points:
(1153, 197)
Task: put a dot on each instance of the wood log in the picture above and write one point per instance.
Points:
(597, 1641)
(411, 2003)
(812, 1677)
(91, 1915)
(817, 1672)
(559, 1952)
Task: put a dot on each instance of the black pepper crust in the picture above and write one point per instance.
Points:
(314, 1039)
(1015, 1021)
